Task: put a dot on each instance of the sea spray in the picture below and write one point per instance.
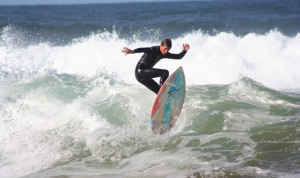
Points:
(270, 59)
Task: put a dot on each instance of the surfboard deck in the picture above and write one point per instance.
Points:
(168, 103)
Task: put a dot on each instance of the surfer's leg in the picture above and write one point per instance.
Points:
(152, 73)
(144, 74)
(151, 84)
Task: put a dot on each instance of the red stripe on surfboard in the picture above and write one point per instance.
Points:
(156, 102)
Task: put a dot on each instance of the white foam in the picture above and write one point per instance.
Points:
(37, 132)
(271, 59)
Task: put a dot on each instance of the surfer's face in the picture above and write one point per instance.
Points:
(164, 49)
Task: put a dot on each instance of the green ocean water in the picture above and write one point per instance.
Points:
(59, 125)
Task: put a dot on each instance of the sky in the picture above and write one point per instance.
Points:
(39, 2)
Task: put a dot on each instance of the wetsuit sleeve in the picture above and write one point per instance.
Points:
(176, 56)
(143, 50)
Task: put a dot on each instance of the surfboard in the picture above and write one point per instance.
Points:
(168, 103)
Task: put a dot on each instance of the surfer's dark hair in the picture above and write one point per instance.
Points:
(167, 42)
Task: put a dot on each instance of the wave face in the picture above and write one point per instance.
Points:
(70, 104)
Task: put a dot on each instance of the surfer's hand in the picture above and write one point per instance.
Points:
(186, 47)
(127, 51)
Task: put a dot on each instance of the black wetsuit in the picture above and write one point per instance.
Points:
(144, 71)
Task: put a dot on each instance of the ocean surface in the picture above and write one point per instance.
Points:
(70, 105)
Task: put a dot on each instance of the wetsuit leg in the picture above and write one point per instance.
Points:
(151, 84)
(145, 76)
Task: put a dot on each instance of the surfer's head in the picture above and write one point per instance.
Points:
(165, 46)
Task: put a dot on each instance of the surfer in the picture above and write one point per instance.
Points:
(144, 71)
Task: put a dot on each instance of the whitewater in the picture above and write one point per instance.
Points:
(70, 105)
(271, 59)
(78, 110)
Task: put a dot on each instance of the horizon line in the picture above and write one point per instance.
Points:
(91, 3)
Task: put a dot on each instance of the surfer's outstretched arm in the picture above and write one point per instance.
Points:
(186, 47)
(138, 50)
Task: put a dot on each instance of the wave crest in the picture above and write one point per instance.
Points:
(271, 58)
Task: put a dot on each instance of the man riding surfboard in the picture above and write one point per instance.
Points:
(144, 71)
